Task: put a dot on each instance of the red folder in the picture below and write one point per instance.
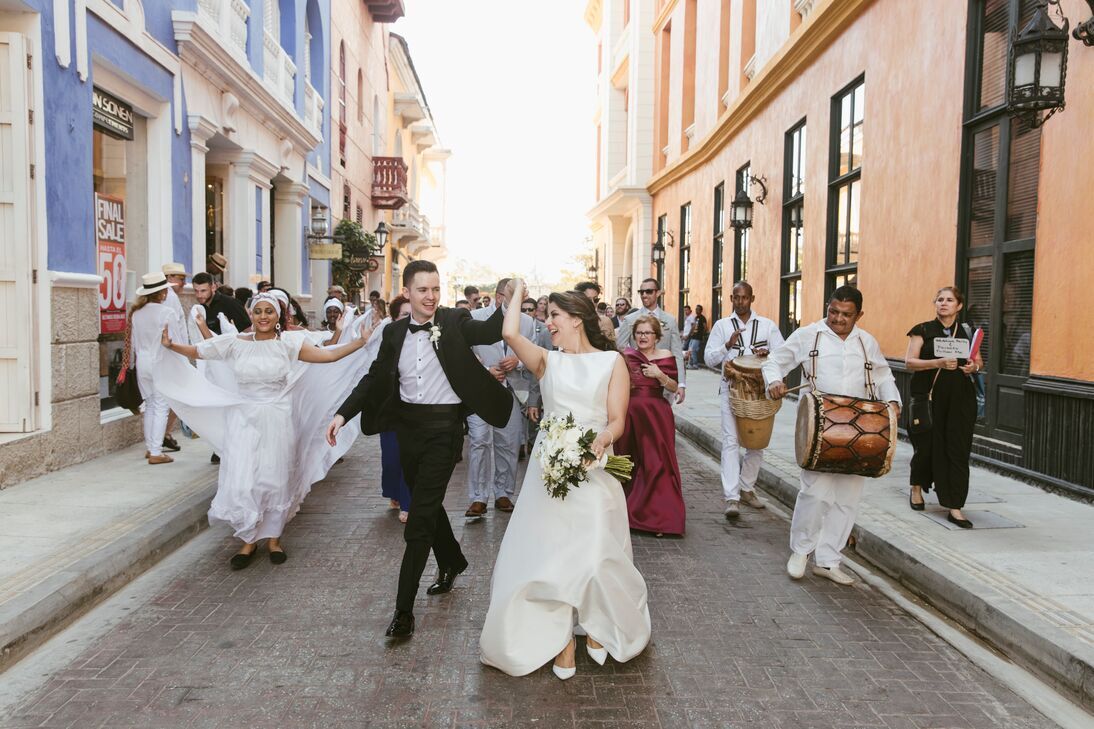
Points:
(977, 340)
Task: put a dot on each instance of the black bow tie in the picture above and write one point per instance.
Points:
(415, 328)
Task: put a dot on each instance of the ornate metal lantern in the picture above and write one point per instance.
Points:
(1037, 65)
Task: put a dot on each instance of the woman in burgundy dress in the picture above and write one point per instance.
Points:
(655, 499)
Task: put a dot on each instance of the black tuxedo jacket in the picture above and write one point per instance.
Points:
(376, 396)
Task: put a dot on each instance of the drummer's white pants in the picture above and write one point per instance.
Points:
(740, 466)
(824, 514)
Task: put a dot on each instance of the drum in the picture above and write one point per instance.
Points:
(754, 413)
(843, 434)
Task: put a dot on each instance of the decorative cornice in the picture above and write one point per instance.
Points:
(825, 24)
(620, 197)
(206, 53)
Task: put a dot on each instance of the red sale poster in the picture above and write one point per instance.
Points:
(110, 234)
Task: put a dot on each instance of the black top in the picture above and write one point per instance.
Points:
(230, 307)
(930, 330)
(700, 326)
(376, 396)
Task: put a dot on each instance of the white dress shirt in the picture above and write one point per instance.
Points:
(422, 380)
(177, 328)
(840, 362)
(757, 333)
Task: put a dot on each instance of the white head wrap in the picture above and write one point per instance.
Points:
(335, 303)
(270, 297)
(280, 296)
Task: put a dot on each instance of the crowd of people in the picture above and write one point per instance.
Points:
(239, 369)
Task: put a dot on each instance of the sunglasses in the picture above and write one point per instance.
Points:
(528, 309)
(647, 291)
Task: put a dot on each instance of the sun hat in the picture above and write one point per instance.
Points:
(217, 262)
(151, 283)
(174, 269)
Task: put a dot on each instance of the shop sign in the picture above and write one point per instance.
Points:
(373, 265)
(110, 234)
(325, 251)
(111, 115)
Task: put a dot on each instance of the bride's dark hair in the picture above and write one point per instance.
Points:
(579, 305)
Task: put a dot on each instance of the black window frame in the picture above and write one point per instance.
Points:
(717, 270)
(684, 258)
(793, 224)
(742, 237)
(662, 228)
(837, 272)
(1004, 416)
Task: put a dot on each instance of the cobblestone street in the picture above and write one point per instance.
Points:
(735, 642)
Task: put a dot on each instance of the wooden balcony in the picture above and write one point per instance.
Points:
(388, 183)
(385, 11)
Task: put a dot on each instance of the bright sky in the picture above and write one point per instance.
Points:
(512, 88)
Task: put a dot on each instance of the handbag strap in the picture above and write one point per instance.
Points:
(930, 393)
(128, 353)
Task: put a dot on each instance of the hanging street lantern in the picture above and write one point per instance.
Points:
(1037, 65)
(381, 235)
(740, 211)
(319, 225)
(658, 253)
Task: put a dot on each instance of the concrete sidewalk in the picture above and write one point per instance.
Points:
(74, 536)
(1023, 578)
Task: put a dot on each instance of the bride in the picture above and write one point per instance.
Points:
(567, 562)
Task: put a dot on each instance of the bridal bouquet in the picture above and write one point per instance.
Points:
(566, 456)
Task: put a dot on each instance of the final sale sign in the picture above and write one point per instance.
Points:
(110, 234)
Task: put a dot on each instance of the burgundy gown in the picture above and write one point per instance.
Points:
(655, 499)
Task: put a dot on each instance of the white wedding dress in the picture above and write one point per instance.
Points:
(567, 561)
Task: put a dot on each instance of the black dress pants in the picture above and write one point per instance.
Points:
(427, 450)
(942, 453)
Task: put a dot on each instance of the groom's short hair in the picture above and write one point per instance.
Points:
(415, 267)
(502, 284)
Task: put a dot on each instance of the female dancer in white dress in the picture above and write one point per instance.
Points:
(568, 561)
(257, 490)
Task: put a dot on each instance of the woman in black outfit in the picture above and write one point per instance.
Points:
(942, 453)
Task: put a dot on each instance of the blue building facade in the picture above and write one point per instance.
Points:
(155, 132)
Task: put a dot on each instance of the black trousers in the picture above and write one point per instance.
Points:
(942, 453)
(428, 446)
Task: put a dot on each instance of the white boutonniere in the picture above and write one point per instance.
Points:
(435, 335)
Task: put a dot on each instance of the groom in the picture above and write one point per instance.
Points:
(423, 385)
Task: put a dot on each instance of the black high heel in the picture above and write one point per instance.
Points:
(916, 507)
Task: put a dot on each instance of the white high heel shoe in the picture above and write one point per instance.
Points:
(600, 655)
(565, 673)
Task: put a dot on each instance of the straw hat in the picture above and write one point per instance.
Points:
(151, 283)
(217, 263)
(174, 269)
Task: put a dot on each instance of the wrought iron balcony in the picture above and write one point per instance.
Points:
(389, 183)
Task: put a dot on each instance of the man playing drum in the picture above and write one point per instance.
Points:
(846, 357)
(741, 333)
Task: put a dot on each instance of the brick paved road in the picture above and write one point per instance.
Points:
(735, 642)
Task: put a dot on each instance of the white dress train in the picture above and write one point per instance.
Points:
(567, 562)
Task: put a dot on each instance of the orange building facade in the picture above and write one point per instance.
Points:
(877, 136)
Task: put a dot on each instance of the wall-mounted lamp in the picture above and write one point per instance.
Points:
(740, 211)
(1084, 31)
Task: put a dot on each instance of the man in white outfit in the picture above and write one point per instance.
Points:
(743, 332)
(827, 503)
(499, 447)
(177, 329)
(670, 331)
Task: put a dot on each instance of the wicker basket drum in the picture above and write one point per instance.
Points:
(754, 413)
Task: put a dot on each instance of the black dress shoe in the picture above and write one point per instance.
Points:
(963, 523)
(916, 507)
(445, 580)
(278, 556)
(170, 444)
(402, 625)
(240, 561)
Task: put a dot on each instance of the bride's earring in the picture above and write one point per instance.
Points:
(277, 327)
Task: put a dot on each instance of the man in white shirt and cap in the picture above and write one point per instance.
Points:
(741, 333)
(493, 452)
(670, 331)
(827, 503)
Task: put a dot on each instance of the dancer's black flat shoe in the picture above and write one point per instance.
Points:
(278, 556)
(916, 507)
(241, 561)
(963, 523)
(402, 625)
